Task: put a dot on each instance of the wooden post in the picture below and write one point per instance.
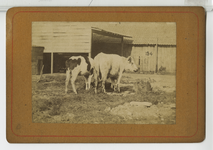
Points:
(139, 61)
(157, 56)
(122, 45)
(51, 62)
(41, 72)
(90, 53)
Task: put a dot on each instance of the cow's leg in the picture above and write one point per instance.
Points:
(118, 82)
(104, 69)
(89, 80)
(113, 84)
(103, 85)
(104, 77)
(86, 81)
(74, 76)
(96, 80)
(67, 79)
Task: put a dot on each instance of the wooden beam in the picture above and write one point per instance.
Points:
(51, 62)
(90, 53)
(156, 56)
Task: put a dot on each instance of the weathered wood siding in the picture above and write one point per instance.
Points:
(37, 59)
(167, 58)
(148, 58)
(67, 37)
(145, 57)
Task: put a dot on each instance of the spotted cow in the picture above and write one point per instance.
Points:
(111, 66)
(79, 65)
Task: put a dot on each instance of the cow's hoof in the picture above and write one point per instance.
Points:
(104, 90)
(95, 91)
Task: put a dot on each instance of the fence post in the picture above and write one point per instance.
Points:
(122, 45)
(157, 56)
(51, 62)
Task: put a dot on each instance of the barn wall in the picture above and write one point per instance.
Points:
(127, 50)
(167, 58)
(145, 57)
(37, 60)
(62, 36)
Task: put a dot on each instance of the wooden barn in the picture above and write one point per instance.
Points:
(37, 59)
(62, 40)
(155, 58)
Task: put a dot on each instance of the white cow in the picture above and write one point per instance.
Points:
(111, 66)
(76, 65)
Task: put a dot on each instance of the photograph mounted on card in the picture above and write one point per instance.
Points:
(124, 74)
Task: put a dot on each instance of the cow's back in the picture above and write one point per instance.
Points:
(110, 63)
(111, 58)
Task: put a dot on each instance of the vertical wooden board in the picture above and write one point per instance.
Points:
(134, 55)
(52, 63)
(153, 58)
(167, 58)
(160, 57)
(145, 60)
(170, 58)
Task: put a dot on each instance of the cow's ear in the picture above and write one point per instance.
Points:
(129, 59)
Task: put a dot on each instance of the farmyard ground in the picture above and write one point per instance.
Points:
(51, 105)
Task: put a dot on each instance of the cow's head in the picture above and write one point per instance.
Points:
(130, 64)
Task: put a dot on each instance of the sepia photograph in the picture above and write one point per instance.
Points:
(104, 72)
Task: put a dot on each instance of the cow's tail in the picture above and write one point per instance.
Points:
(98, 72)
(97, 69)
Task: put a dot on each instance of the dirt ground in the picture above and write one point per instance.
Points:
(144, 99)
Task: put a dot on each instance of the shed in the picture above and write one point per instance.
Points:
(155, 57)
(37, 59)
(65, 39)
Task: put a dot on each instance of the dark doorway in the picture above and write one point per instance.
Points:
(47, 62)
(108, 48)
(59, 60)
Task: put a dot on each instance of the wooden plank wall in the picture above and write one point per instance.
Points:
(167, 58)
(145, 57)
(66, 37)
